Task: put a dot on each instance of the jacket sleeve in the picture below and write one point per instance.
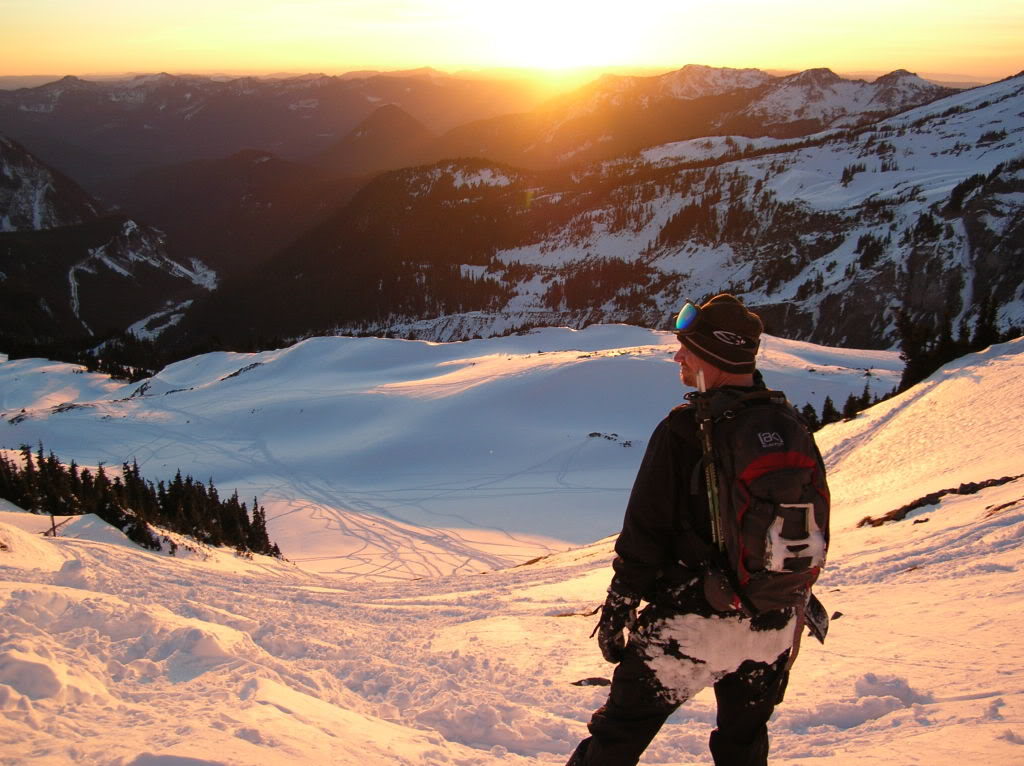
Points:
(645, 545)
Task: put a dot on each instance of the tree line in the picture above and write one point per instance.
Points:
(43, 484)
(854, 404)
(924, 350)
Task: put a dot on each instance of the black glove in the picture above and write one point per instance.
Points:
(617, 614)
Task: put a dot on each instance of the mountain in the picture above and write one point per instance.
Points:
(414, 242)
(212, 658)
(388, 139)
(830, 237)
(98, 132)
(235, 212)
(810, 101)
(33, 196)
(620, 114)
(69, 268)
(92, 278)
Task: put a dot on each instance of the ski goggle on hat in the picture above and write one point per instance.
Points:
(686, 317)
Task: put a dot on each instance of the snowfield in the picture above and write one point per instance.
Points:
(405, 459)
(114, 655)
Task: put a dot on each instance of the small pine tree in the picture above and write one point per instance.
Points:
(851, 406)
(829, 413)
(865, 397)
(811, 416)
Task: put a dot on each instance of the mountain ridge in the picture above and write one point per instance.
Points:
(916, 213)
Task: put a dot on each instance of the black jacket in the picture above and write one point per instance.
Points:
(648, 549)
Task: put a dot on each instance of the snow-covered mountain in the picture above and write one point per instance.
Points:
(830, 236)
(616, 114)
(33, 196)
(69, 268)
(821, 98)
(95, 278)
(696, 81)
(113, 655)
(816, 95)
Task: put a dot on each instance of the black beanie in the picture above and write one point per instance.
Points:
(725, 334)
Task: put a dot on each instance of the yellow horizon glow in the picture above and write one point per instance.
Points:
(981, 40)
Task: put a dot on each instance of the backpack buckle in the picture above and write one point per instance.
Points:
(790, 554)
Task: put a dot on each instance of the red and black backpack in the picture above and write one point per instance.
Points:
(767, 498)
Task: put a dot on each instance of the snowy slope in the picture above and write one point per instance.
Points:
(403, 458)
(110, 655)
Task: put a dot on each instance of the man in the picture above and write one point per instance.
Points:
(680, 643)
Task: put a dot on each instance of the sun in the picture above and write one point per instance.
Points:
(547, 34)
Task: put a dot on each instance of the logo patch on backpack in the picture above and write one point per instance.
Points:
(770, 439)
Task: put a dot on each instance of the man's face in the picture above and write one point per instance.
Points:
(688, 363)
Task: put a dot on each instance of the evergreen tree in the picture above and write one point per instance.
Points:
(985, 330)
(829, 413)
(811, 416)
(914, 350)
(865, 398)
(42, 484)
(851, 406)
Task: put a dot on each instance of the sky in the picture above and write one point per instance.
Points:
(980, 39)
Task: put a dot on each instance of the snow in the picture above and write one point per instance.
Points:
(696, 81)
(113, 654)
(149, 328)
(712, 147)
(971, 392)
(402, 459)
(110, 654)
(482, 177)
(721, 645)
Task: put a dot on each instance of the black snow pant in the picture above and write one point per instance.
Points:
(637, 707)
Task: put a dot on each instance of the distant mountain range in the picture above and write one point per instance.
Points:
(103, 131)
(829, 235)
(352, 203)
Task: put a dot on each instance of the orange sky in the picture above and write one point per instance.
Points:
(981, 39)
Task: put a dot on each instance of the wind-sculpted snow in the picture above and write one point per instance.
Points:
(114, 655)
(404, 459)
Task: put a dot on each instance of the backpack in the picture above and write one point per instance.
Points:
(768, 499)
